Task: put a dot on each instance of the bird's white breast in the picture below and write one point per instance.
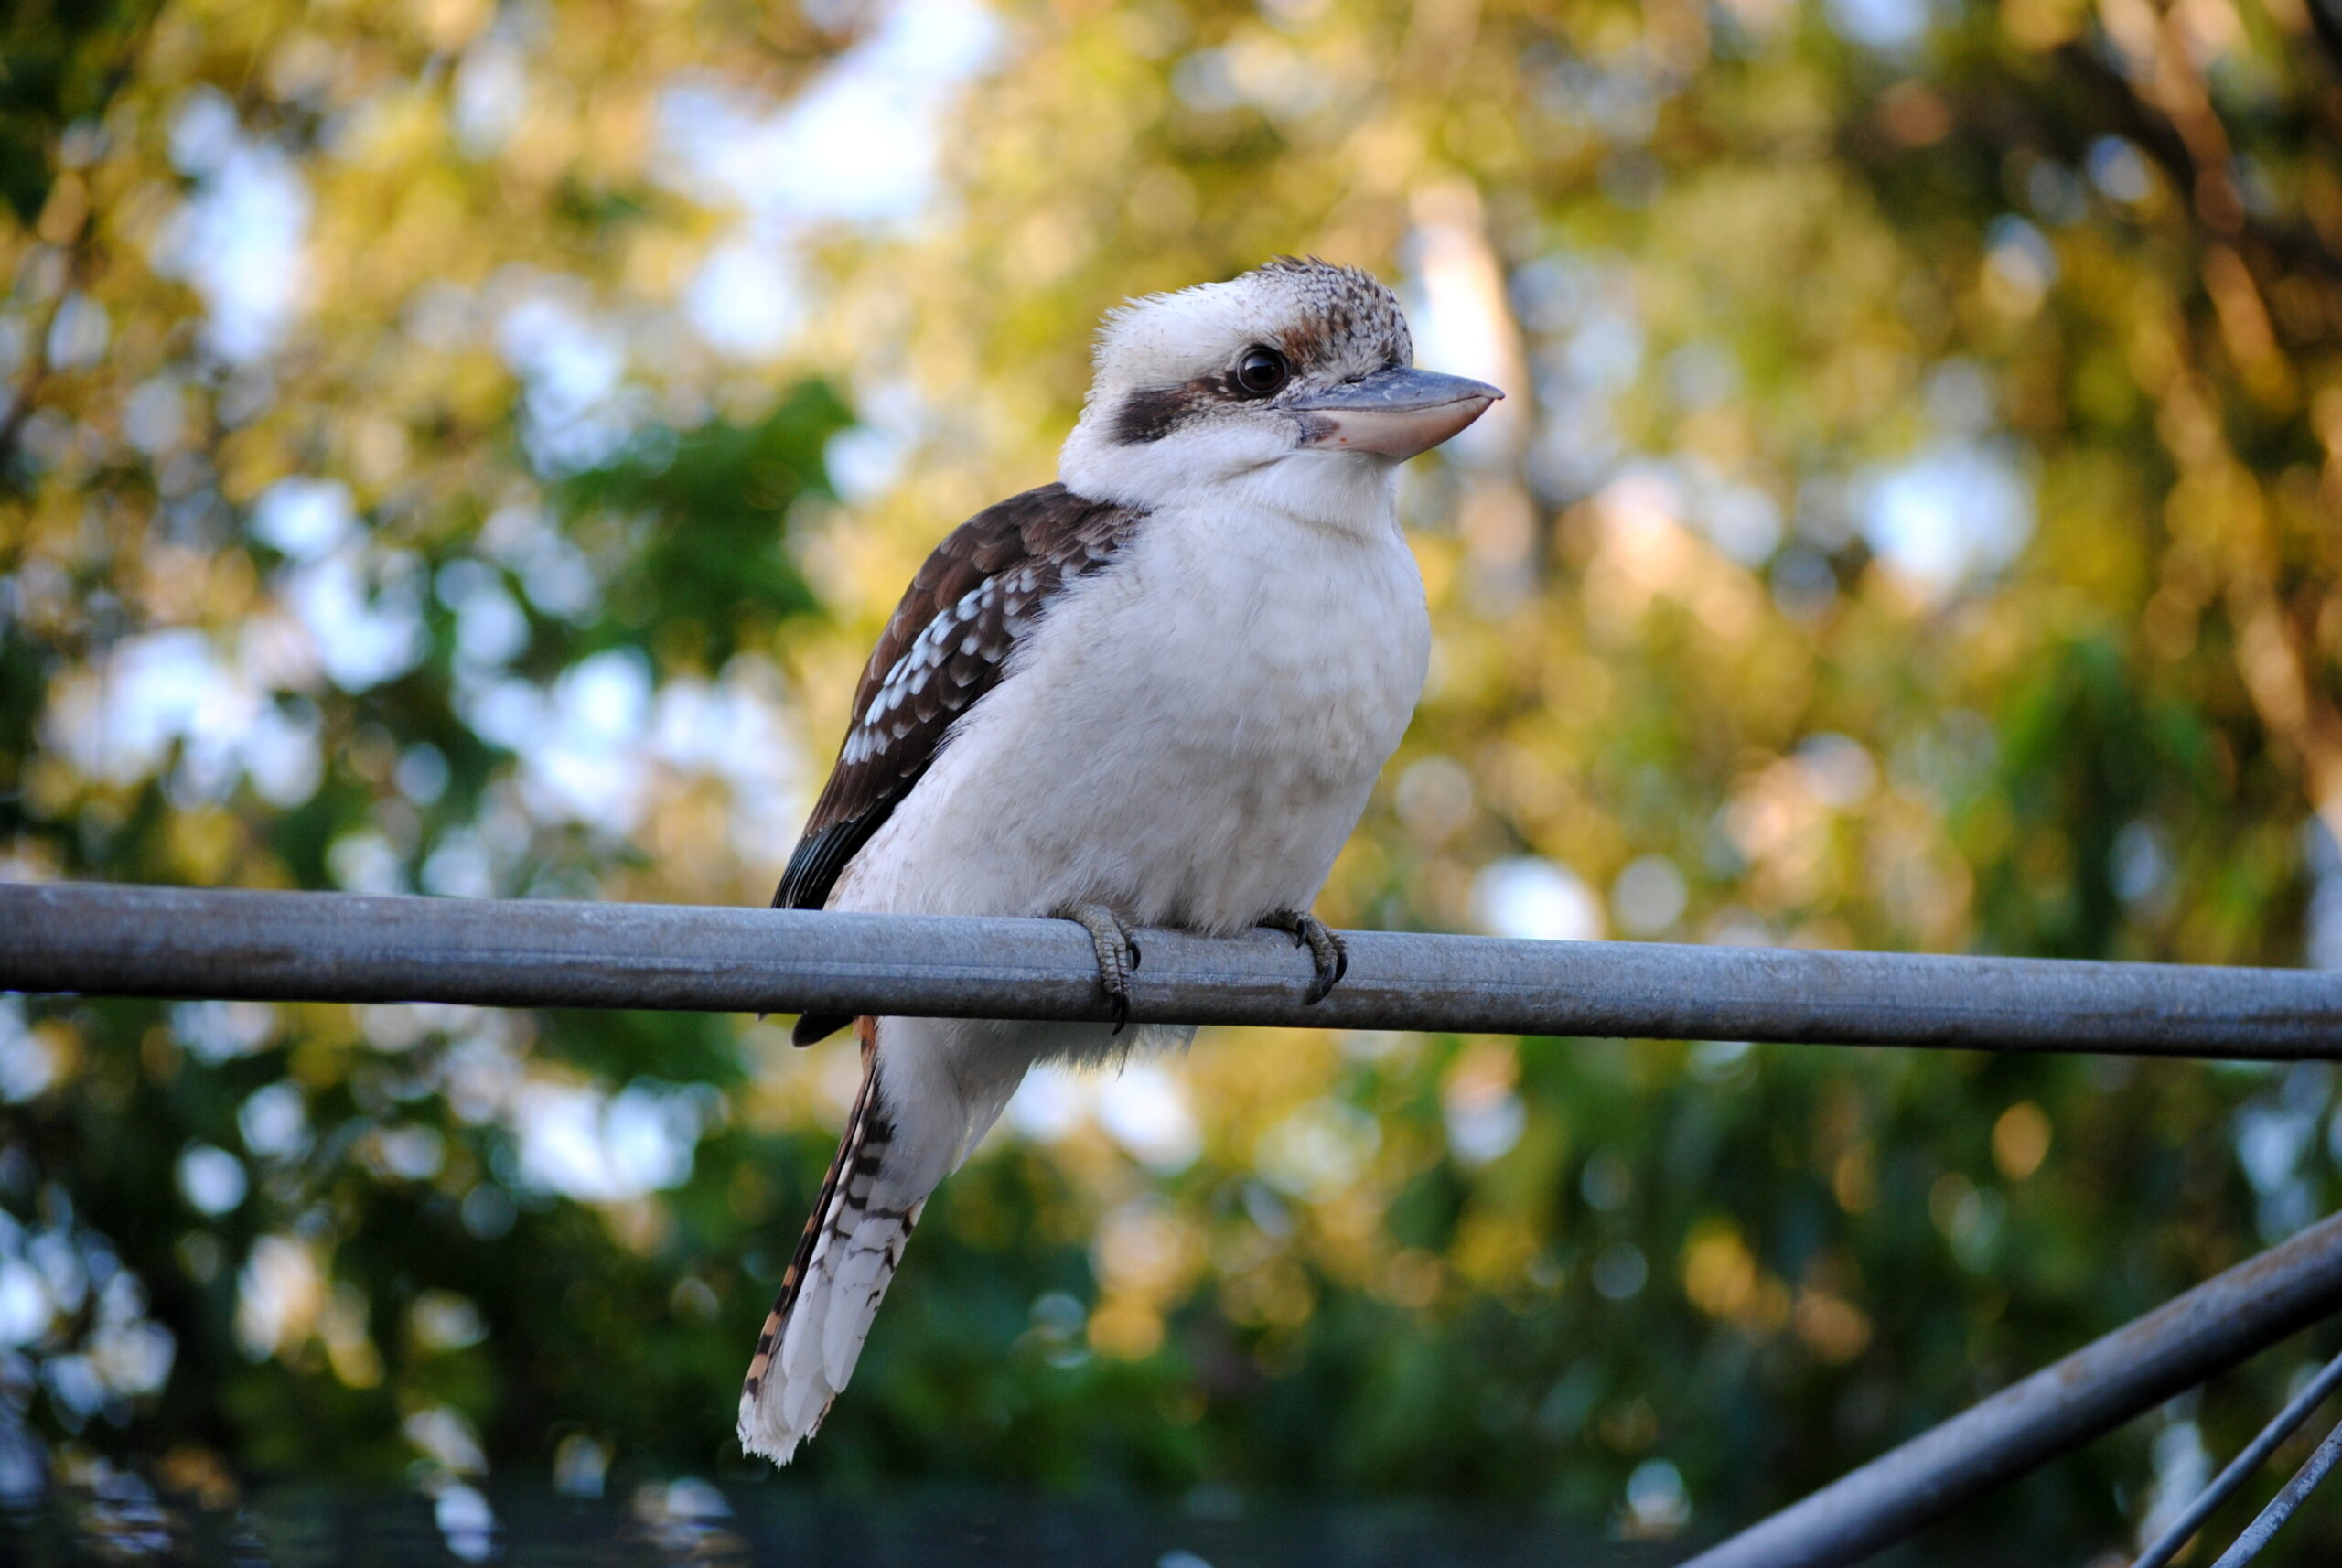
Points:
(1187, 736)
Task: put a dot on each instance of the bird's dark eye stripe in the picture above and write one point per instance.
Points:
(1262, 371)
(1151, 414)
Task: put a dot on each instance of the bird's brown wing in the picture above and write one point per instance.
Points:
(984, 589)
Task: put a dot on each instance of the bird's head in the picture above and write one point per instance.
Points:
(1296, 381)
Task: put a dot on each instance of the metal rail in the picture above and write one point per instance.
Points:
(151, 941)
(2262, 1530)
(2240, 1469)
(2061, 1407)
(334, 946)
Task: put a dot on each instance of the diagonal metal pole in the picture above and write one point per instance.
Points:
(2262, 1531)
(2255, 1454)
(157, 941)
(2058, 1409)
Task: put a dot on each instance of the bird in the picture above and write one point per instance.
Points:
(1155, 692)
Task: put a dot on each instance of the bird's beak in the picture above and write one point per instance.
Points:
(1393, 413)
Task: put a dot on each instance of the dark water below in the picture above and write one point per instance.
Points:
(691, 1522)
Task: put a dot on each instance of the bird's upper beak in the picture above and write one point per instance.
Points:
(1396, 413)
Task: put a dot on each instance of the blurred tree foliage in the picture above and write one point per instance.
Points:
(470, 450)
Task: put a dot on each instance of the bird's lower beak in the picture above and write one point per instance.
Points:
(1393, 412)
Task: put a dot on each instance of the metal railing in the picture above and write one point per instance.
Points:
(177, 942)
(339, 947)
(2098, 1387)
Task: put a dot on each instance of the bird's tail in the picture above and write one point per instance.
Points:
(844, 1262)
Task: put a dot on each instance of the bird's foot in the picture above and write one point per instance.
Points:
(1309, 931)
(1117, 951)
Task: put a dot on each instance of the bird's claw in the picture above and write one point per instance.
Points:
(1117, 950)
(1332, 958)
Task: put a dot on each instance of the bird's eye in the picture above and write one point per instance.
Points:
(1262, 371)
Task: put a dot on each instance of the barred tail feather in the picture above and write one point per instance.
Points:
(831, 1292)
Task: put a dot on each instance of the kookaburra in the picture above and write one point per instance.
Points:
(1156, 693)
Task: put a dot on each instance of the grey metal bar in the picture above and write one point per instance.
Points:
(158, 942)
(146, 941)
(2061, 1407)
(2271, 1519)
(2250, 1458)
